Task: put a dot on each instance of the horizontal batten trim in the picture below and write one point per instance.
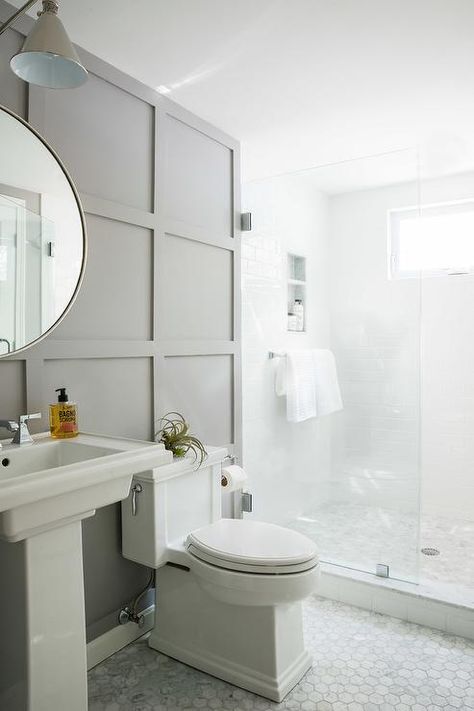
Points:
(94, 205)
(55, 350)
(176, 228)
(196, 348)
(58, 350)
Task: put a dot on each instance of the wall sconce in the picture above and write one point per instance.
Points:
(47, 57)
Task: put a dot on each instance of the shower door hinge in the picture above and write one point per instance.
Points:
(382, 570)
(246, 221)
(247, 502)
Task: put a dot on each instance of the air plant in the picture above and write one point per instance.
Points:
(174, 434)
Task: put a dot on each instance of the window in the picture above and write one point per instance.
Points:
(433, 239)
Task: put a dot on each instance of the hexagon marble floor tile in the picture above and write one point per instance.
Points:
(363, 661)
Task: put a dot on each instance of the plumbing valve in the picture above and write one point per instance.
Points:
(126, 615)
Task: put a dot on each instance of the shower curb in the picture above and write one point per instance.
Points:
(405, 601)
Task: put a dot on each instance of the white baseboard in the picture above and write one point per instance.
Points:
(117, 638)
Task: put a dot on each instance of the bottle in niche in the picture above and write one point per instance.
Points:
(298, 310)
(63, 417)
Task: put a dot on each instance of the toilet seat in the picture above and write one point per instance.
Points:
(253, 547)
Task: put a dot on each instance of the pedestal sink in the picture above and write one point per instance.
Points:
(46, 489)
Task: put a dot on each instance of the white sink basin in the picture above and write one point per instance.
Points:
(52, 482)
(47, 454)
(46, 489)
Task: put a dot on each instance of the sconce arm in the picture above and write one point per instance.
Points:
(16, 14)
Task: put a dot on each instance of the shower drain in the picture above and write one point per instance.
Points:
(430, 551)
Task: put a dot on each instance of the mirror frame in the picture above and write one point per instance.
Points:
(84, 235)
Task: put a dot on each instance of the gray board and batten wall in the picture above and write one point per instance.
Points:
(156, 325)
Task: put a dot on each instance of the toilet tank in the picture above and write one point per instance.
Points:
(174, 500)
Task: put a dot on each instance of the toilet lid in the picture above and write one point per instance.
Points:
(253, 546)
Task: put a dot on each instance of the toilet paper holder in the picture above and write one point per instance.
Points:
(243, 500)
(228, 459)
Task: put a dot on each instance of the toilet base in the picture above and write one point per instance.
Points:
(260, 649)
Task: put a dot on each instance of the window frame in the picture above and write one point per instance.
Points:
(394, 218)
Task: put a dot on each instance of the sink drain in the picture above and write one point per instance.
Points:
(430, 551)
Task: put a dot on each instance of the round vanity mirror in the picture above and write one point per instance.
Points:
(42, 237)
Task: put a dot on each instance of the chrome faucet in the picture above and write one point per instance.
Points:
(20, 428)
(9, 425)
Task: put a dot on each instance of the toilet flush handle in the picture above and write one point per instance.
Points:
(136, 489)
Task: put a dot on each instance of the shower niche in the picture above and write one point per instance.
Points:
(296, 290)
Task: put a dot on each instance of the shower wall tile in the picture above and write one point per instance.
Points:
(448, 397)
(375, 326)
(394, 417)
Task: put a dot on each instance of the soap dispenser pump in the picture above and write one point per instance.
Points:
(63, 417)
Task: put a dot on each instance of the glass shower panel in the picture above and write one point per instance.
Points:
(350, 479)
(447, 396)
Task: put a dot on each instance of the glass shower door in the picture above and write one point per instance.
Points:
(349, 480)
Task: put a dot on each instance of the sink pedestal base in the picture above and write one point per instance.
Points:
(56, 631)
(46, 491)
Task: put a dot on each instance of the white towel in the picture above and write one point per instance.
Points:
(295, 378)
(280, 376)
(309, 380)
(328, 393)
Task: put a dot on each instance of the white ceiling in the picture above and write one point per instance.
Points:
(300, 82)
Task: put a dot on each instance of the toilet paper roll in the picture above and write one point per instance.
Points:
(233, 478)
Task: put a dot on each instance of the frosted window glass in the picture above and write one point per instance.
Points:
(438, 239)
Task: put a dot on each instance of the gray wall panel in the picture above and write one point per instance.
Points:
(198, 188)
(200, 387)
(105, 137)
(115, 301)
(12, 391)
(13, 91)
(195, 291)
(110, 580)
(114, 395)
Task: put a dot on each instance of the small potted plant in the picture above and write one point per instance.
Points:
(174, 434)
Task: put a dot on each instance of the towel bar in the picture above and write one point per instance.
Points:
(272, 354)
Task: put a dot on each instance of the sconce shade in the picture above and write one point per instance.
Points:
(47, 57)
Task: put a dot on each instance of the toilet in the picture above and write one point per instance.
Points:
(228, 591)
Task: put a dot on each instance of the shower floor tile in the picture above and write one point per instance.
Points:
(361, 536)
(363, 661)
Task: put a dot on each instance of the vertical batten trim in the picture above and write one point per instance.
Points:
(159, 366)
(34, 369)
(237, 325)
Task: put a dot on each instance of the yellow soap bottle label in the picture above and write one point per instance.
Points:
(63, 420)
